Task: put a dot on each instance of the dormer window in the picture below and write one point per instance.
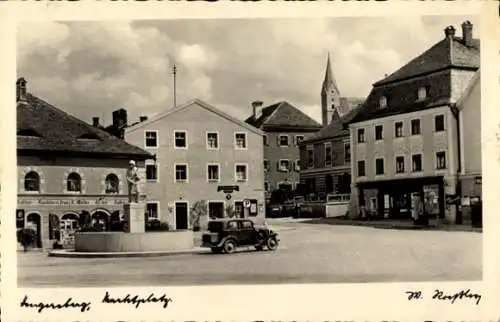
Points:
(422, 93)
(383, 102)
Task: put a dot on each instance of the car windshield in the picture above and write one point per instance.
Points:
(215, 226)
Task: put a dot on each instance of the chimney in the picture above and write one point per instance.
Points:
(467, 33)
(120, 118)
(95, 121)
(143, 118)
(257, 109)
(21, 89)
(449, 32)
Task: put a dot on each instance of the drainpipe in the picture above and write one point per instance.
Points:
(456, 113)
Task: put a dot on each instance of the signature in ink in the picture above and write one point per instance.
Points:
(84, 306)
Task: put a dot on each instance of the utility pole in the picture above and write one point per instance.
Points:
(174, 71)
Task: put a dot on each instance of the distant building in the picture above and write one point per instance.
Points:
(198, 148)
(419, 132)
(284, 127)
(66, 167)
(325, 156)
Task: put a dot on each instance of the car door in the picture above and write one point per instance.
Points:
(246, 232)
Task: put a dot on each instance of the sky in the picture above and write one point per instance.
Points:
(93, 68)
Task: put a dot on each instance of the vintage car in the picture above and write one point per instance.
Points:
(225, 235)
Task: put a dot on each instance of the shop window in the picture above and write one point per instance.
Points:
(32, 181)
(112, 183)
(74, 182)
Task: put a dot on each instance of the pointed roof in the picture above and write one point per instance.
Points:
(189, 103)
(329, 80)
(283, 114)
(43, 127)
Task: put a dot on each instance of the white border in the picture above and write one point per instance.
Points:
(158, 209)
(219, 170)
(186, 139)
(235, 173)
(236, 147)
(218, 140)
(175, 173)
(157, 139)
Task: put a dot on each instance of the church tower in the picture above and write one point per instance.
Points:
(330, 95)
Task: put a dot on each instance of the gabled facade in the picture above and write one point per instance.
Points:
(284, 127)
(67, 167)
(406, 137)
(199, 148)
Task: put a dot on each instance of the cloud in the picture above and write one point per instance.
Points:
(92, 68)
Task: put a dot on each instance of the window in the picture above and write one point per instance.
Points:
(74, 182)
(266, 165)
(32, 181)
(298, 139)
(328, 155)
(246, 225)
(240, 140)
(422, 93)
(241, 172)
(152, 210)
(297, 165)
(151, 139)
(181, 172)
(266, 186)
(439, 123)
(151, 172)
(212, 141)
(361, 135)
(284, 165)
(441, 160)
(310, 158)
(379, 166)
(266, 140)
(361, 169)
(400, 164)
(111, 183)
(283, 140)
(213, 172)
(379, 132)
(383, 102)
(347, 152)
(415, 127)
(398, 129)
(238, 209)
(416, 161)
(180, 139)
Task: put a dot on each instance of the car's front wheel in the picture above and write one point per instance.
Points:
(229, 246)
(272, 243)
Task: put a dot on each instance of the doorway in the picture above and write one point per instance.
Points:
(216, 209)
(100, 218)
(33, 221)
(181, 215)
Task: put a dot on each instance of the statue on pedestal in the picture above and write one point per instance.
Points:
(133, 182)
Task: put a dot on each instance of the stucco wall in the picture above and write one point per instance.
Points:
(471, 131)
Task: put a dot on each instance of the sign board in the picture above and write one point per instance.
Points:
(70, 202)
(228, 189)
(228, 196)
(246, 203)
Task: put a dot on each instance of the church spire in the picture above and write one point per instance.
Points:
(330, 95)
(329, 82)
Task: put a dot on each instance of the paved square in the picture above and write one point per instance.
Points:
(310, 254)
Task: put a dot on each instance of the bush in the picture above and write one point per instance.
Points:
(27, 237)
(156, 225)
(198, 211)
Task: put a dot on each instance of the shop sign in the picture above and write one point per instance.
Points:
(70, 202)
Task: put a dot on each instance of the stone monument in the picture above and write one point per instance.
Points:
(134, 209)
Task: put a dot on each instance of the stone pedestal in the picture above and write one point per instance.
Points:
(134, 216)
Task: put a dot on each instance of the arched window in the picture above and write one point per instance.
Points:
(74, 182)
(112, 183)
(32, 181)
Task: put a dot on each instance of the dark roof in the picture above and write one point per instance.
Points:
(283, 114)
(336, 128)
(431, 70)
(43, 127)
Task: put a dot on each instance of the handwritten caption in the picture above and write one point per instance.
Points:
(70, 303)
(440, 295)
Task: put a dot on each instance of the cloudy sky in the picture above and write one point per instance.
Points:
(90, 69)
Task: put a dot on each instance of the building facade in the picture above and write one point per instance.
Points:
(284, 127)
(406, 138)
(67, 167)
(325, 156)
(198, 149)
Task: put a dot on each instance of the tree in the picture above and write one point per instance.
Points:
(26, 237)
(198, 211)
(230, 213)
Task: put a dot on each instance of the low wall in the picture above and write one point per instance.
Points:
(134, 242)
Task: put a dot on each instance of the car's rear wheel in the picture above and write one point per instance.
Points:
(272, 243)
(229, 246)
(216, 250)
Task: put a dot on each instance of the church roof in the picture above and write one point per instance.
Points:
(283, 114)
(42, 127)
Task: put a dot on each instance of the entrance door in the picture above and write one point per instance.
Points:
(216, 209)
(33, 221)
(181, 215)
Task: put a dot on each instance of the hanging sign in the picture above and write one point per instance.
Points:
(228, 196)
(246, 203)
